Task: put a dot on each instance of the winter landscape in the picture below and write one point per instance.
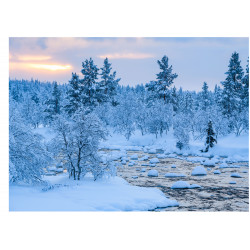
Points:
(95, 143)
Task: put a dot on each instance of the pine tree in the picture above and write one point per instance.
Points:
(245, 82)
(232, 90)
(205, 96)
(174, 100)
(73, 95)
(53, 105)
(160, 88)
(210, 140)
(108, 85)
(89, 85)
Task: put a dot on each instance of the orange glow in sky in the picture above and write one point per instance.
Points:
(52, 67)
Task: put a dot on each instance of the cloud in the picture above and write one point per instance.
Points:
(33, 58)
(127, 56)
(52, 67)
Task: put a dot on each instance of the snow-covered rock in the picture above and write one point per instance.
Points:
(154, 160)
(174, 175)
(132, 163)
(173, 166)
(143, 170)
(145, 164)
(223, 165)
(184, 185)
(144, 158)
(236, 175)
(171, 156)
(180, 184)
(138, 169)
(199, 170)
(217, 172)
(124, 162)
(134, 157)
(208, 162)
(161, 156)
(135, 177)
(152, 151)
(153, 173)
(195, 186)
(232, 182)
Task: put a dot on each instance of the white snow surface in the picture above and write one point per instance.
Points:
(153, 173)
(183, 185)
(231, 146)
(154, 160)
(113, 194)
(199, 170)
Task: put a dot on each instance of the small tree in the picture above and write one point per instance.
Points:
(210, 140)
(77, 142)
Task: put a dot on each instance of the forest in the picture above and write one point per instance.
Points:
(93, 105)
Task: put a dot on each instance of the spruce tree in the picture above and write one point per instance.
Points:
(245, 82)
(210, 140)
(174, 100)
(108, 85)
(53, 104)
(73, 95)
(160, 88)
(232, 90)
(89, 85)
(205, 96)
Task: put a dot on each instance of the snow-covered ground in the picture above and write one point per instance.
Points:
(231, 146)
(112, 194)
(115, 194)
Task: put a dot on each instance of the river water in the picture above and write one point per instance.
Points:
(216, 193)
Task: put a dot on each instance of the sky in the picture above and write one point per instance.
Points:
(195, 60)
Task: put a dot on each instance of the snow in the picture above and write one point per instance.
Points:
(144, 158)
(153, 173)
(143, 170)
(161, 156)
(232, 182)
(174, 175)
(217, 172)
(211, 162)
(223, 165)
(134, 157)
(236, 175)
(154, 160)
(173, 166)
(199, 170)
(184, 185)
(113, 194)
(180, 184)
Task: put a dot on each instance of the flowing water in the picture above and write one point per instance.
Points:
(216, 193)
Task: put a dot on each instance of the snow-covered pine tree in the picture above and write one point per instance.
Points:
(181, 130)
(108, 85)
(73, 95)
(174, 99)
(205, 97)
(210, 140)
(245, 82)
(89, 84)
(159, 89)
(232, 86)
(53, 104)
